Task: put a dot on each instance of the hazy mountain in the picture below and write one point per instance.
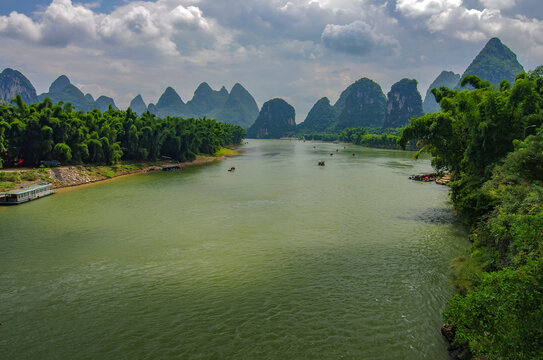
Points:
(403, 103)
(89, 98)
(103, 102)
(237, 107)
(59, 84)
(12, 82)
(63, 90)
(205, 100)
(446, 79)
(138, 105)
(361, 104)
(496, 62)
(276, 120)
(240, 108)
(170, 104)
(321, 117)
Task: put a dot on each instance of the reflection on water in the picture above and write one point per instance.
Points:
(279, 259)
(436, 216)
(398, 164)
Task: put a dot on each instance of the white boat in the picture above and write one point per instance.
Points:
(25, 193)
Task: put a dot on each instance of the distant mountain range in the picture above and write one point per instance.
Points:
(362, 104)
(63, 90)
(237, 107)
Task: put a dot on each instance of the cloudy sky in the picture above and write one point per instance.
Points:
(300, 50)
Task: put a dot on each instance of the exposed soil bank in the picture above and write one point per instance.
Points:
(68, 176)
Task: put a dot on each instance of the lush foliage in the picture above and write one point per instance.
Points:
(43, 131)
(447, 79)
(503, 318)
(484, 138)
(474, 131)
(371, 137)
(360, 136)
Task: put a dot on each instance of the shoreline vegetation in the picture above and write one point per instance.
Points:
(93, 146)
(68, 176)
(490, 139)
(383, 138)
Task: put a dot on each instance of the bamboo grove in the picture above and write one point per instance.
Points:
(491, 141)
(30, 134)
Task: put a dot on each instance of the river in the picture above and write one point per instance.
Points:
(279, 259)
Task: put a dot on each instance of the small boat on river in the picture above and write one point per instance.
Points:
(426, 177)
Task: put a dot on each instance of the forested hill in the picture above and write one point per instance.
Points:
(276, 119)
(495, 62)
(12, 82)
(363, 104)
(42, 131)
(63, 90)
(491, 141)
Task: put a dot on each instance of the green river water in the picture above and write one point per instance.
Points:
(280, 259)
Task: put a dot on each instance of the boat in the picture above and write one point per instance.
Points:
(427, 177)
(25, 193)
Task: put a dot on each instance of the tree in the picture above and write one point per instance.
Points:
(62, 152)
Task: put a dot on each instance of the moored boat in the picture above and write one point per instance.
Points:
(25, 193)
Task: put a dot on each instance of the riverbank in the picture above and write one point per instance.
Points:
(76, 175)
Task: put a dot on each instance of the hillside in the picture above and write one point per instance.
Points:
(276, 120)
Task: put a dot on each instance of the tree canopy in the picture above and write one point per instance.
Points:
(491, 141)
(44, 131)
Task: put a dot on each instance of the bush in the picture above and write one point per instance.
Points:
(11, 176)
(28, 175)
(503, 317)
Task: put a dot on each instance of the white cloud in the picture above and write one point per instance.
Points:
(451, 18)
(417, 8)
(499, 4)
(160, 25)
(63, 23)
(19, 26)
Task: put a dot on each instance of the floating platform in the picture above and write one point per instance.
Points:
(25, 193)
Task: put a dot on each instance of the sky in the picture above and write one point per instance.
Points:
(299, 50)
